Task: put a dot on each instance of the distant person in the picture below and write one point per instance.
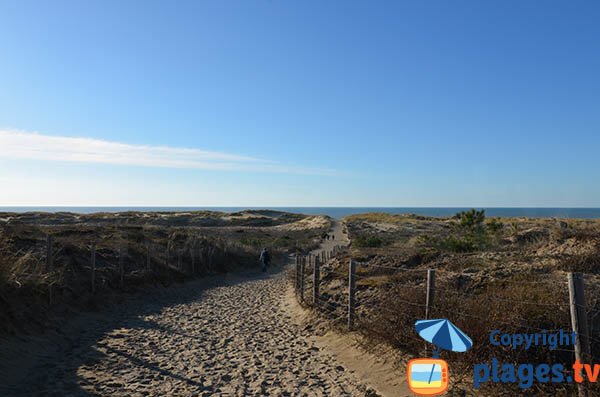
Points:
(333, 236)
(265, 259)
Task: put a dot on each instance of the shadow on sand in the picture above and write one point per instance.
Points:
(47, 364)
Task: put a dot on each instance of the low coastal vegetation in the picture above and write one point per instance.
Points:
(133, 251)
(491, 273)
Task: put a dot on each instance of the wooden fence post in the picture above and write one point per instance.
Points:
(49, 254)
(430, 292)
(200, 256)
(351, 292)
(208, 259)
(193, 259)
(148, 255)
(297, 280)
(302, 265)
(93, 266)
(167, 255)
(121, 269)
(316, 281)
(49, 264)
(579, 322)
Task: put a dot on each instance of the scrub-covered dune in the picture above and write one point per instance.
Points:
(490, 273)
(46, 258)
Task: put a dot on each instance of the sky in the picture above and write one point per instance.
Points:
(300, 103)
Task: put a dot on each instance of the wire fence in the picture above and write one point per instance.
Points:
(385, 301)
(64, 261)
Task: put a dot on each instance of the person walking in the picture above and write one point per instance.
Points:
(265, 259)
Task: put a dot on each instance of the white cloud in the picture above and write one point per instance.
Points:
(34, 146)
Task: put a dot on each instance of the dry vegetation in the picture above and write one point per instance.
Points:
(507, 274)
(156, 249)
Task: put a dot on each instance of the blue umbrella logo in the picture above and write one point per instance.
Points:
(429, 376)
(444, 335)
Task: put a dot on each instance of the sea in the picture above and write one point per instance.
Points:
(339, 212)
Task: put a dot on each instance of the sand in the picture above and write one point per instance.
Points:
(226, 340)
(226, 336)
(374, 368)
(308, 223)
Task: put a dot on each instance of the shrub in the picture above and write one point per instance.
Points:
(457, 244)
(583, 263)
(471, 219)
(401, 302)
(471, 233)
(253, 242)
(368, 241)
(494, 226)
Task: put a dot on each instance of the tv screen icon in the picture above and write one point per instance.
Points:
(427, 376)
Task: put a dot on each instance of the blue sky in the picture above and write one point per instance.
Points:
(300, 103)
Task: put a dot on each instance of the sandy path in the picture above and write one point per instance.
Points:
(377, 368)
(340, 238)
(222, 337)
(226, 340)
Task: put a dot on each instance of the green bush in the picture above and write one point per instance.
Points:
(471, 233)
(494, 226)
(368, 241)
(457, 244)
(253, 242)
(471, 219)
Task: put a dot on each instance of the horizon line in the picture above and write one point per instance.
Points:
(285, 206)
